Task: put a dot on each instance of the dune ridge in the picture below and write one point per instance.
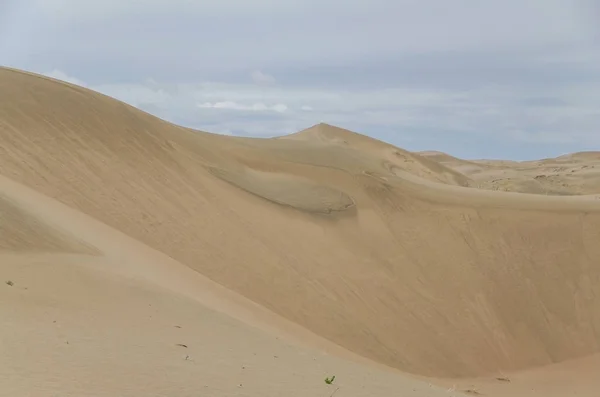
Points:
(419, 271)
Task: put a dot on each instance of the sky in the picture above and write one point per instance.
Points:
(512, 79)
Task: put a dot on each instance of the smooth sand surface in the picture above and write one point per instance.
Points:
(282, 260)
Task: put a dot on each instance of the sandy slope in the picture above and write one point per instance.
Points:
(21, 232)
(164, 331)
(570, 378)
(129, 321)
(79, 331)
(572, 174)
(390, 156)
(379, 250)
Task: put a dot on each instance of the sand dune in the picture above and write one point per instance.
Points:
(390, 156)
(331, 239)
(131, 321)
(572, 174)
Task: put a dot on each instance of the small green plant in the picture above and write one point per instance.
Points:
(330, 380)
(10, 283)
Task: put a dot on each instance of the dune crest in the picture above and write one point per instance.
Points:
(390, 155)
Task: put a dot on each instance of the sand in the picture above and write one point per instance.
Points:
(567, 175)
(278, 262)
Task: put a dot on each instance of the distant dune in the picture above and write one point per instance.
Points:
(134, 237)
(572, 174)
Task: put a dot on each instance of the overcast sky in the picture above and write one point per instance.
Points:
(514, 79)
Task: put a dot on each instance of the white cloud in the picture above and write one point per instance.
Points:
(262, 78)
(255, 107)
(280, 108)
(307, 108)
(60, 75)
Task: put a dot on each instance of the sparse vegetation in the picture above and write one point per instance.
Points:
(10, 283)
(330, 380)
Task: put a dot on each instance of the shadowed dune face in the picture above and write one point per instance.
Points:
(428, 278)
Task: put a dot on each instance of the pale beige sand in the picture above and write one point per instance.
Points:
(325, 235)
(133, 322)
(71, 329)
(567, 379)
(572, 174)
(23, 233)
